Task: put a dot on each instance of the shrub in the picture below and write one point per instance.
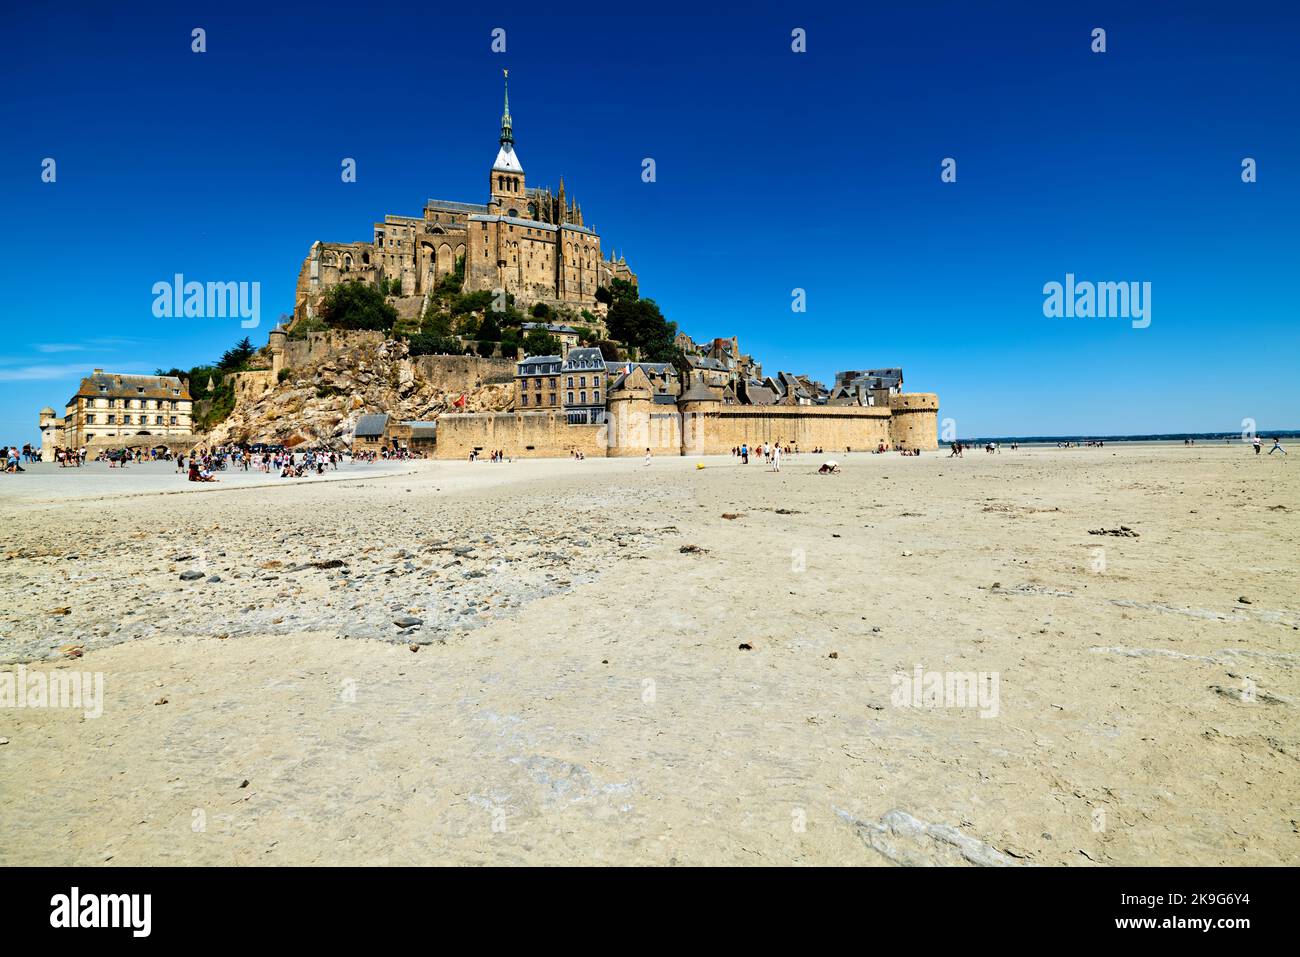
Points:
(428, 345)
(356, 305)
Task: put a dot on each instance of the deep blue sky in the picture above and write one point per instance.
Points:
(776, 170)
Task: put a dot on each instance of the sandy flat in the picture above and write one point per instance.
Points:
(579, 693)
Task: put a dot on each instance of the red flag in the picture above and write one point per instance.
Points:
(460, 403)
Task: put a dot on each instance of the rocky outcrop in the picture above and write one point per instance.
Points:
(320, 404)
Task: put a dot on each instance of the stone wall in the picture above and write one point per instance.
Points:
(915, 420)
(635, 425)
(251, 385)
(463, 373)
(704, 428)
(518, 434)
(299, 353)
(717, 431)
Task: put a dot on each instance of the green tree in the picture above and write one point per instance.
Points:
(356, 305)
(488, 329)
(435, 322)
(542, 312)
(423, 344)
(640, 324)
(539, 342)
(479, 301)
(510, 344)
(237, 357)
(623, 291)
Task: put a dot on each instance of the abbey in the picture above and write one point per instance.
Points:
(528, 241)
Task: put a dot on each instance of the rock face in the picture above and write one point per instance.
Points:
(320, 404)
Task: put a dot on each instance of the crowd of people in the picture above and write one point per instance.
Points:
(201, 464)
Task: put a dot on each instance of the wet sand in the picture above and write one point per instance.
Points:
(579, 693)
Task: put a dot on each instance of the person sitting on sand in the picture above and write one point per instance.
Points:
(830, 467)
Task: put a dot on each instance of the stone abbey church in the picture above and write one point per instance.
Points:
(530, 242)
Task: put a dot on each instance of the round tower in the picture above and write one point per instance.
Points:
(49, 433)
(914, 420)
(627, 430)
(696, 406)
(275, 341)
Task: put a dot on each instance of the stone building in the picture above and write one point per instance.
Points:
(872, 387)
(526, 240)
(121, 409)
(370, 433)
(584, 374)
(567, 405)
(537, 383)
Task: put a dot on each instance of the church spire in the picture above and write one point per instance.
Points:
(507, 132)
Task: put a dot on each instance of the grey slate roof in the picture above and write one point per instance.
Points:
(455, 206)
(423, 430)
(699, 392)
(371, 426)
(539, 365)
(585, 358)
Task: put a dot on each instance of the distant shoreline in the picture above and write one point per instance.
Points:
(1159, 439)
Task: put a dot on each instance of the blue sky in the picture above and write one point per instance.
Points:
(775, 171)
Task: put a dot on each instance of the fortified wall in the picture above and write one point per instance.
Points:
(636, 423)
(519, 434)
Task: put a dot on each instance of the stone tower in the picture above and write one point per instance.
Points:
(51, 434)
(507, 177)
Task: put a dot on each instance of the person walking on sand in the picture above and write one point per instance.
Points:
(647, 455)
(776, 458)
(1258, 447)
(1277, 446)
